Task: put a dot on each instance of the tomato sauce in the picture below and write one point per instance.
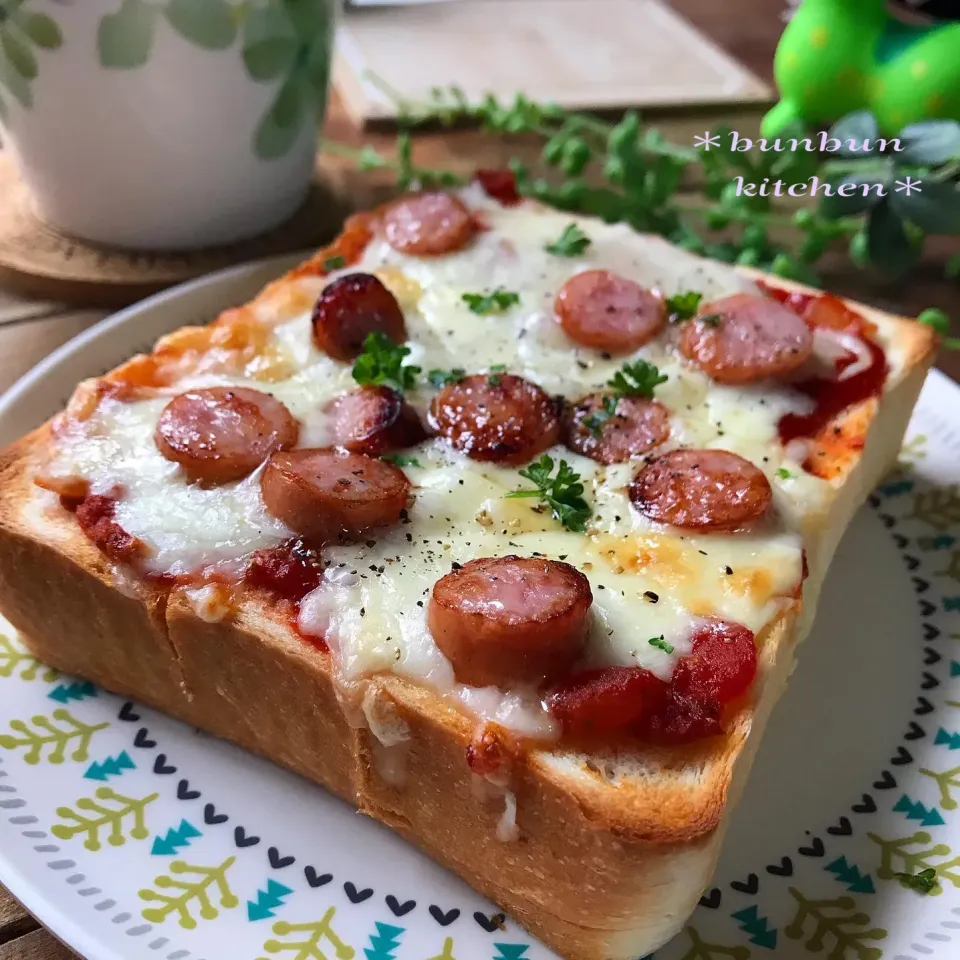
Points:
(831, 397)
(499, 185)
(288, 572)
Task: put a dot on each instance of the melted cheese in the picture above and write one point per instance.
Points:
(648, 581)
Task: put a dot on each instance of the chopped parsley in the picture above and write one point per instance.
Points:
(402, 460)
(487, 303)
(562, 493)
(683, 306)
(923, 882)
(637, 379)
(571, 243)
(661, 644)
(334, 263)
(784, 474)
(381, 363)
(441, 378)
(494, 379)
(594, 423)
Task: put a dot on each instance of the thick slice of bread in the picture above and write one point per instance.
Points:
(611, 853)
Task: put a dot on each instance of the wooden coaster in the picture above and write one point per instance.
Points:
(37, 261)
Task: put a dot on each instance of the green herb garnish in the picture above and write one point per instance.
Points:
(494, 379)
(626, 171)
(381, 363)
(402, 460)
(562, 493)
(334, 263)
(661, 644)
(784, 474)
(710, 319)
(923, 882)
(441, 378)
(637, 379)
(936, 318)
(487, 303)
(594, 423)
(571, 243)
(683, 306)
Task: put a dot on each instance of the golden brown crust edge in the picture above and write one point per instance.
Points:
(595, 874)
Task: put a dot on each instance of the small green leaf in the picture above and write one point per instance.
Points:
(402, 460)
(15, 83)
(382, 363)
(865, 191)
(334, 263)
(40, 28)
(18, 55)
(499, 301)
(280, 125)
(936, 318)
(858, 127)
(308, 17)
(934, 206)
(441, 378)
(124, 38)
(571, 243)
(888, 246)
(783, 473)
(931, 142)
(269, 43)
(923, 882)
(683, 306)
(637, 379)
(661, 644)
(206, 23)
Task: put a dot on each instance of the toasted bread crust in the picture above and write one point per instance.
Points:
(600, 870)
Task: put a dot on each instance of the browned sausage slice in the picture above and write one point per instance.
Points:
(745, 338)
(499, 417)
(219, 434)
(510, 620)
(374, 420)
(349, 309)
(709, 490)
(326, 494)
(428, 224)
(608, 312)
(635, 426)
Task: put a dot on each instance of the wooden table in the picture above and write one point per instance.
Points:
(747, 28)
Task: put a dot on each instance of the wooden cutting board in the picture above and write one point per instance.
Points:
(582, 54)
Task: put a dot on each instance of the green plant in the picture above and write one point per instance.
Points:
(626, 172)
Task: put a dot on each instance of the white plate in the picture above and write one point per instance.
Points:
(858, 776)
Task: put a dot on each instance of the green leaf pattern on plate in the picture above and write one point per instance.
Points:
(20, 31)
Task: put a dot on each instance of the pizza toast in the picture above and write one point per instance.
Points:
(600, 849)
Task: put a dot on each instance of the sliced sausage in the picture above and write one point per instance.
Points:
(428, 224)
(219, 434)
(709, 490)
(349, 309)
(374, 420)
(745, 338)
(327, 494)
(510, 620)
(635, 427)
(608, 312)
(499, 417)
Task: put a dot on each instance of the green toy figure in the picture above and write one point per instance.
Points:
(838, 56)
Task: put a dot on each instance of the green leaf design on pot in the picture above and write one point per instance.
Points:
(206, 23)
(20, 30)
(125, 38)
(291, 39)
(269, 43)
